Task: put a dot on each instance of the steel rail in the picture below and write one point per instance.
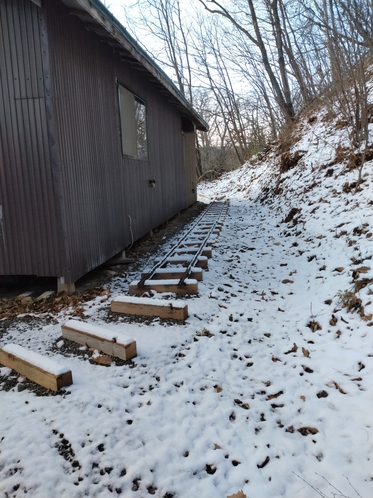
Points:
(202, 244)
(149, 275)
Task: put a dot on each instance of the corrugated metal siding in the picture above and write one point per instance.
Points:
(67, 195)
(102, 190)
(190, 168)
(29, 231)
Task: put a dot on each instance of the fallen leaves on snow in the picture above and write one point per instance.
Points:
(305, 352)
(264, 463)
(314, 326)
(239, 494)
(294, 349)
(273, 396)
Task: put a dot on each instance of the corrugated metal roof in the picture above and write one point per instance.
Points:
(99, 19)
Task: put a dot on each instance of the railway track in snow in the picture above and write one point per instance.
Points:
(179, 270)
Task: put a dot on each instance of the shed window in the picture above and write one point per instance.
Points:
(133, 124)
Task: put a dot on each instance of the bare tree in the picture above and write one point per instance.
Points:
(350, 53)
(164, 20)
(275, 67)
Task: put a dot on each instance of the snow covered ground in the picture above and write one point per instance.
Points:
(267, 386)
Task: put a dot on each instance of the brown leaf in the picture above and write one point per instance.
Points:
(306, 352)
(339, 269)
(274, 359)
(360, 284)
(307, 369)
(217, 447)
(263, 464)
(307, 430)
(362, 269)
(303, 398)
(273, 396)
(294, 349)
(314, 326)
(367, 318)
(243, 405)
(239, 494)
(102, 360)
(333, 321)
(337, 386)
(287, 281)
(210, 469)
(218, 389)
(275, 405)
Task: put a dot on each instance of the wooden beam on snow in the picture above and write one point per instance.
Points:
(44, 371)
(105, 340)
(142, 306)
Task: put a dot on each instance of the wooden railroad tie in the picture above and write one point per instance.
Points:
(202, 261)
(150, 307)
(44, 371)
(173, 273)
(190, 250)
(105, 340)
(203, 231)
(190, 286)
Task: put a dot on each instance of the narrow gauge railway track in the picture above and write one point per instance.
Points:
(180, 269)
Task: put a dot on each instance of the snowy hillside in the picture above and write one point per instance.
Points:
(266, 388)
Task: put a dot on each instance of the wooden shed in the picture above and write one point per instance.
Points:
(96, 143)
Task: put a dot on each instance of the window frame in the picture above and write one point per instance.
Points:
(131, 142)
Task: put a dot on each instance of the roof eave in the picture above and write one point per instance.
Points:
(98, 18)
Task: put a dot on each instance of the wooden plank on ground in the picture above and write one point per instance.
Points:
(44, 371)
(190, 287)
(150, 307)
(105, 340)
(174, 273)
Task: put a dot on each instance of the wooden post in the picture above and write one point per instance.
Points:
(62, 286)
